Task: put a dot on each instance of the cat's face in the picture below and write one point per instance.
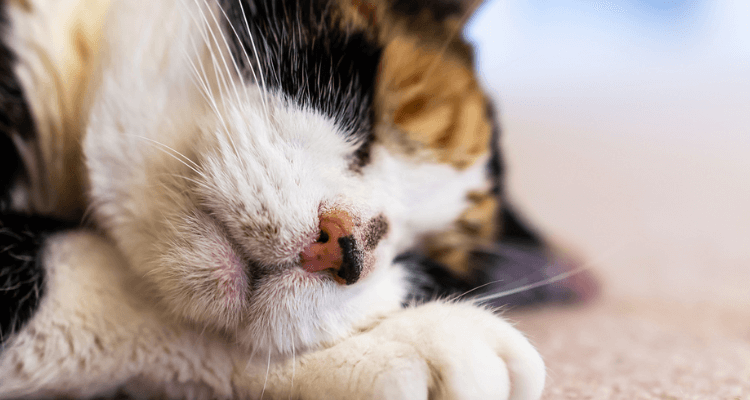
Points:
(262, 167)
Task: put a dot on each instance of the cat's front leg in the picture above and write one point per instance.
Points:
(436, 351)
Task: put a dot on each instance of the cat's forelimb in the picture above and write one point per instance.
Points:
(95, 332)
(93, 335)
(437, 350)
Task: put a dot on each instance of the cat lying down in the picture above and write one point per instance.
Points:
(280, 200)
(99, 336)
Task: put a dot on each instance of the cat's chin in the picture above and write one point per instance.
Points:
(297, 275)
(293, 311)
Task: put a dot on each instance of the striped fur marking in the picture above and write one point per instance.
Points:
(434, 102)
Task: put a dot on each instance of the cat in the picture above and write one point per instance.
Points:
(278, 197)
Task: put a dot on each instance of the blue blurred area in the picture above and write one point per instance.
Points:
(653, 21)
(673, 70)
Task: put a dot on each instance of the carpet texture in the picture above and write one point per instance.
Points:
(667, 231)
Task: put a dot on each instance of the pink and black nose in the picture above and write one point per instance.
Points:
(335, 250)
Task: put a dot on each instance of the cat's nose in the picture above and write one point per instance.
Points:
(335, 249)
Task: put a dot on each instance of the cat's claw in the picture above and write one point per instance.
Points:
(438, 351)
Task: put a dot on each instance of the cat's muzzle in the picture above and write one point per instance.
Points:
(336, 250)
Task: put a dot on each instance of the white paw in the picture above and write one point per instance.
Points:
(437, 351)
(470, 352)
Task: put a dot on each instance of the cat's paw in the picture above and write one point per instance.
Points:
(437, 351)
(469, 353)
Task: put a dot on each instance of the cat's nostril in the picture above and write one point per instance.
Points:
(335, 248)
(323, 238)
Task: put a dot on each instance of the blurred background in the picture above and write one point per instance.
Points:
(627, 133)
(627, 138)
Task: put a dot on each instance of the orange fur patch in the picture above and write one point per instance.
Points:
(476, 227)
(434, 100)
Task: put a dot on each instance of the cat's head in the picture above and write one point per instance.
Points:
(261, 163)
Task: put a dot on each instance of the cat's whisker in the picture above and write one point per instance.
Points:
(268, 369)
(165, 149)
(244, 51)
(208, 94)
(201, 74)
(196, 76)
(294, 361)
(215, 107)
(459, 296)
(206, 30)
(251, 358)
(206, 42)
(169, 222)
(559, 277)
(556, 278)
(231, 57)
(203, 332)
(201, 84)
(264, 88)
(161, 146)
(195, 181)
(211, 98)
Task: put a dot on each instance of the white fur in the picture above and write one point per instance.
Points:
(179, 168)
(97, 331)
(194, 174)
(54, 61)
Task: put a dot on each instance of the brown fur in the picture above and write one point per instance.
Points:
(430, 106)
(476, 227)
(57, 98)
(434, 102)
(428, 103)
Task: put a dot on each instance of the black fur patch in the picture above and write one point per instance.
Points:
(22, 276)
(520, 257)
(517, 231)
(505, 269)
(14, 114)
(429, 279)
(496, 166)
(351, 267)
(10, 169)
(15, 118)
(301, 50)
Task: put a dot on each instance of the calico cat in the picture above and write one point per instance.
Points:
(273, 193)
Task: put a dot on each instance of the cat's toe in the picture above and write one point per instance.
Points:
(471, 353)
(439, 351)
(405, 378)
(492, 359)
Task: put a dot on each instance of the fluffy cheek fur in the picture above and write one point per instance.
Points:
(212, 194)
(200, 271)
(215, 214)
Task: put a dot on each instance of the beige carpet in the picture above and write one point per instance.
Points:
(666, 226)
(647, 349)
(627, 131)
